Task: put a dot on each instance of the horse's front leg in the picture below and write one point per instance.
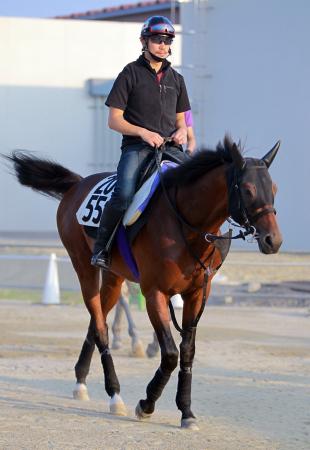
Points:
(183, 397)
(157, 308)
(192, 305)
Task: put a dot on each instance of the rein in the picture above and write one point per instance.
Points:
(181, 220)
(238, 213)
(207, 270)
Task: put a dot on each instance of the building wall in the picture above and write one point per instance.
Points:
(136, 17)
(45, 106)
(248, 68)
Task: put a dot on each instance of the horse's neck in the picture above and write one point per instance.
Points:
(205, 203)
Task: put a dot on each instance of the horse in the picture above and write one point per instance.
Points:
(122, 306)
(175, 253)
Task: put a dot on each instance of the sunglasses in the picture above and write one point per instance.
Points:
(158, 39)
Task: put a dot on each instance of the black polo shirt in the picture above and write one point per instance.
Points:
(146, 102)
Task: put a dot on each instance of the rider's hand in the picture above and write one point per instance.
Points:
(180, 136)
(153, 139)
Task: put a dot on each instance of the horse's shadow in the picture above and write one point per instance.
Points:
(52, 398)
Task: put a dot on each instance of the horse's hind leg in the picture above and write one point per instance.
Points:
(157, 308)
(153, 347)
(99, 303)
(89, 281)
(109, 294)
(122, 306)
(82, 366)
(116, 326)
(136, 344)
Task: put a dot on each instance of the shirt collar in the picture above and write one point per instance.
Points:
(145, 62)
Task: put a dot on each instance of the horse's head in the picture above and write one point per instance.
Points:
(252, 198)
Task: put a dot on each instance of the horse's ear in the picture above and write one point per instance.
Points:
(270, 156)
(237, 157)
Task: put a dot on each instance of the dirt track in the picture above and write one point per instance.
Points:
(250, 390)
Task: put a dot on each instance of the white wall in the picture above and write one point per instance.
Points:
(45, 106)
(252, 71)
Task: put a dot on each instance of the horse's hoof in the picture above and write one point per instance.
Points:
(152, 351)
(137, 350)
(80, 392)
(117, 406)
(189, 424)
(116, 344)
(140, 414)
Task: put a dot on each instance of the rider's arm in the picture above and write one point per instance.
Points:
(180, 135)
(117, 122)
(191, 140)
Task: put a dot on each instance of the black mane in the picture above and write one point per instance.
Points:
(200, 163)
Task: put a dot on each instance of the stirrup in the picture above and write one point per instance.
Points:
(101, 259)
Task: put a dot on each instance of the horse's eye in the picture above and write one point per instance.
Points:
(249, 191)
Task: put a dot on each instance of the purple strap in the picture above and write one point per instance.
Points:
(121, 238)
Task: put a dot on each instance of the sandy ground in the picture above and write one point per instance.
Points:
(250, 391)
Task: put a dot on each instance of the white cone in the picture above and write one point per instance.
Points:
(51, 293)
(177, 301)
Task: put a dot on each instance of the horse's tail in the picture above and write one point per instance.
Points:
(42, 175)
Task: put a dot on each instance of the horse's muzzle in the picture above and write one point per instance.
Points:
(269, 242)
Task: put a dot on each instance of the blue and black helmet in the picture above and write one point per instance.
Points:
(157, 25)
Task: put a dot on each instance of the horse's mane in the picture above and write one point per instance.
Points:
(200, 163)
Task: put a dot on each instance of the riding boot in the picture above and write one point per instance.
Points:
(102, 248)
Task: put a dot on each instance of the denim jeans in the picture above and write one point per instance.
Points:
(133, 160)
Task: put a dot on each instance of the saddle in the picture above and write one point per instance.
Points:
(136, 216)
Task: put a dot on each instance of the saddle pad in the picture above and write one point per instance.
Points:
(90, 211)
(144, 194)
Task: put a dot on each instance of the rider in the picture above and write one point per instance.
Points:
(147, 103)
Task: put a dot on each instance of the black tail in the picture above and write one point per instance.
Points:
(42, 175)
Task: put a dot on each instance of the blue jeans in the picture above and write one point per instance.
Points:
(132, 162)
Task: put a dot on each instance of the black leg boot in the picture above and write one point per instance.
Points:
(108, 223)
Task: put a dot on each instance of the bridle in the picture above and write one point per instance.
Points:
(236, 207)
(239, 216)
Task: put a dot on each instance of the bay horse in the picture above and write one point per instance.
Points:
(122, 307)
(175, 252)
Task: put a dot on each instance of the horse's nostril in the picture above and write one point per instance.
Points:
(268, 240)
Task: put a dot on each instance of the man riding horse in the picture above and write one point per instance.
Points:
(147, 102)
(177, 250)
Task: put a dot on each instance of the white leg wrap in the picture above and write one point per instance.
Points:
(117, 406)
(80, 392)
(189, 424)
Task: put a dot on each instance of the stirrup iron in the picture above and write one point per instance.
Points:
(101, 259)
